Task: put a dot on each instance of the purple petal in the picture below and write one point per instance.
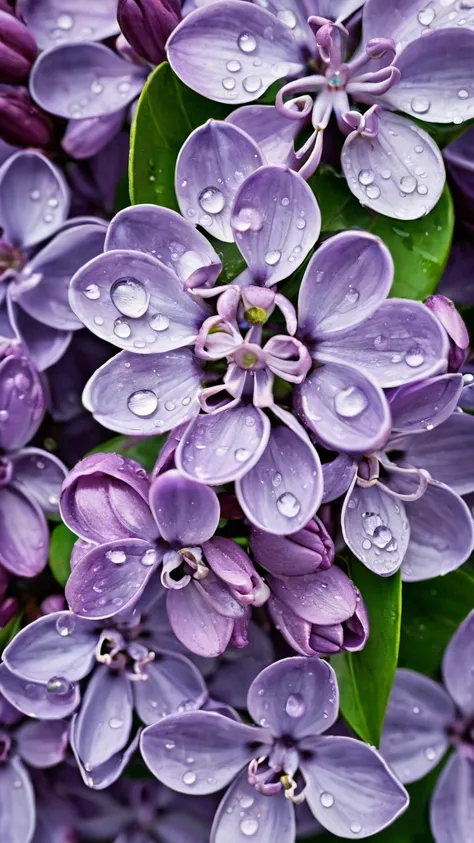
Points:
(84, 80)
(364, 795)
(375, 528)
(42, 745)
(51, 24)
(145, 394)
(347, 279)
(441, 534)
(400, 172)
(323, 598)
(196, 623)
(43, 344)
(234, 567)
(284, 490)
(214, 51)
(48, 301)
(87, 138)
(452, 801)
(40, 475)
(24, 532)
(174, 685)
(401, 343)
(137, 304)
(107, 773)
(458, 659)
(220, 748)
(271, 130)
(17, 803)
(163, 233)
(276, 221)
(34, 199)
(111, 577)
(302, 553)
(423, 406)
(23, 398)
(104, 721)
(239, 667)
(432, 74)
(295, 697)
(442, 452)
(233, 441)
(346, 410)
(187, 512)
(405, 22)
(273, 818)
(415, 732)
(33, 698)
(206, 178)
(337, 477)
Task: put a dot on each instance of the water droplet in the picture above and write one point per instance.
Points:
(246, 801)
(228, 83)
(189, 777)
(122, 329)
(430, 753)
(382, 536)
(422, 189)
(246, 42)
(65, 22)
(233, 66)
(419, 148)
(416, 710)
(288, 505)
(276, 479)
(355, 827)
(366, 177)
(149, 558)
(252, 84)
(385, 174)
(420, 105)
(35, 195)
(249, 826)
(288, 17)
(65, 625)
(130, 297)
(115, 723)
(170, 745)
(366, 544)
(97, 87)
(373, 191)
(98, 320)
(463, 94)
(408, 184)
(415, 358)
(142, 403)
(248, 218)
(250, 421)
(272, 258)
(426, 16)
(350, 402)
(92, 292)
(118, 557)
(300, 223)
(211, 200)
(123, 88)
(327, 800)
(285, 201)
(59, 686)
(295, 706)
(186, 401)
(242, 454)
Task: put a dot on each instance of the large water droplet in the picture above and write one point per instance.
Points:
(350, 402)
(366, 177)
(64, 21)
(288, 17)
(249, 826)
(426, 16)
(142, 403)
(415, 357)
(189, 777)
(65, 625)
(233, 66)
(272, 258)
(211, 200)
(92, 292)
(130, 297)
(159, 322)
(246, 802)
(118, 557)
(326, 799)
(122, 329)
(373, 191)
(288, 505)
(59, 686)
(248, 218)
(149, 558)
(252, 84)
(382, 536)
(420, 105)
(408, 184)
(295, 706)
(247, 42)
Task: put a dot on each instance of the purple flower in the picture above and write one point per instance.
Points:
(424, 720)
(17, 49)
(294, 701)
(22, 123)
(147, 24)
(34, 203)
(23, 397)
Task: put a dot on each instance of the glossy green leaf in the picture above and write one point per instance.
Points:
(60, 549)
(8, 632)
(144, 450)
(365, 679)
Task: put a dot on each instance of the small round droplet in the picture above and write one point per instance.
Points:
(355, 827)
(422, 189)
(92, 292)
(118, 557)
(242, 454)
(65, 22)
(463, 94)
(416, 709)
(65, 625)
(272, 258)
(430, 753)
(426, 16)
(159, 322)
(373, 191)
(252, 84)
(295, 706)
(99, 320)
(326, 799)
(142, 403)
(420, 105)
(288, 505)
(233, 66)
(366, 177)
(115, 723)
(247, 42)
(149, 558)
(408, 184)
(415, 358)
(97, 87)
(300, 223)
(350, 402)
(59, 686)
(288, 17)
(122, 329)
(249, 827)
(189, 777)
(35, 195)
(276, 479)
(130, 297)
(228, 83)
(385, 174)
(211, 200)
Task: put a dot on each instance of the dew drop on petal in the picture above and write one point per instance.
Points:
(426, 16)
(366, 177)
(242, 454)
(211, 200)
(295, 706)
(142, 403)
(326, 799)
(233, 66)
(415, 358)
(252, 84)
(122, 329)
(287, 16)
(430, 753)
(355, 827)
(249, 826)
(288, 505)
(228, 83)
(149, 558)
(189, 777)
(300, 223)
(420, 105)
(350, 402)
(130, 297)
(92, 292)
(159, 322)
(64, 21)
(463, 94)
(65, 625)
(373, 191)
(118, 557)
(59, 686)
(115, 723)
(408, 184)
(272, 258)
(246, 42)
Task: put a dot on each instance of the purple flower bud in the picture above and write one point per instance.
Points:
(8, 610)
(22, 398)
(53, 603)
(305, 552)
(21, 122)
(446, 313)
(17, 49)
(147, 24)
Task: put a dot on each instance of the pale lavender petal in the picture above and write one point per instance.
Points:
(457, 662)
(406, 20)
(337, 477)
(452, 802)
(34, 199)
(40, 475)
(366, 795)
(104, 721)
(375, 528)
(214, 51)
(401, 343)
(42, 745)
(174, 685)
(347, 278)
(17, 803)
(187, 512)
(86, 138)
(273, 132)
(442, 452)
(54, 21)
(323, 598)
(423, 406)
(84, 80)
(211, 166)
(239, 667)
(44, 345)
(157, 392)
(415, 733)
(196, 623)
(221, 747)
(284, 489)
(220, 448)
(24, 531)
(276, 221)
(107, 773)
(272, 818)
(33, 698)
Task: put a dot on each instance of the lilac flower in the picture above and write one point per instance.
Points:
(36, 745)
(22, 123)
(454, 325)
(424, 720)
(34, 203)
(17, 49)
(294, 701)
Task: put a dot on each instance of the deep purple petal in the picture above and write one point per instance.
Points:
(42, 745)
(87, 138)
(24, 532)
(196, 623)
(39, 475)
(457, 663)
(273, 132)
(423, 406)
(442, 452)
(302, 553)
(33, 698)
(17, 803)
(243, 812)
(50, 24)
(452, 801)
(325, 598)
(104, 721)
(337, 477)
(187, 512)
(174, 685)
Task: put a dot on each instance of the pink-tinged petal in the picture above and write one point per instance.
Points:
(107, 773)
(399, 173)
(145, 394)
(166, 235)
(337, 477)
(54, 21)
(58, 644)
(401, 343)
(33, 698)
(295, 697)
(375, 528)
(441, 534)
(44, 345)
(406, 20)
(196, 623)
(135, 302)
(42, 745)
(104, 721)
(366, 795)
(17, 803)
(276, 221)
(345, 408)
(187, 512)
(220, 448)
(221, 747)
(347, 279)
(452, 802)
(433, 72)
(423, 406)
(457, 662)
(211, 166)
(174, 685)
(272, 818)
(214, 51)
(323, 598)
(84, 80)
(283, 491)
(273, 132)
(34, 199)
(24, 531)
(234, 568)
(443, 451)
(53, 267)
(111, 577)
(415, 732)
(40, 475)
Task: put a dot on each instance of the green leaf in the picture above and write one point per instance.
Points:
(365, 679)
(144, 450)
(8, 632)
(419, 248)
(432, 611)
(60, 548)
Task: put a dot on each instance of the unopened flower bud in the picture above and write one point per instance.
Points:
(446, 313)
(147, 24)
(21, 122)
(22, 398)
(17, 49)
